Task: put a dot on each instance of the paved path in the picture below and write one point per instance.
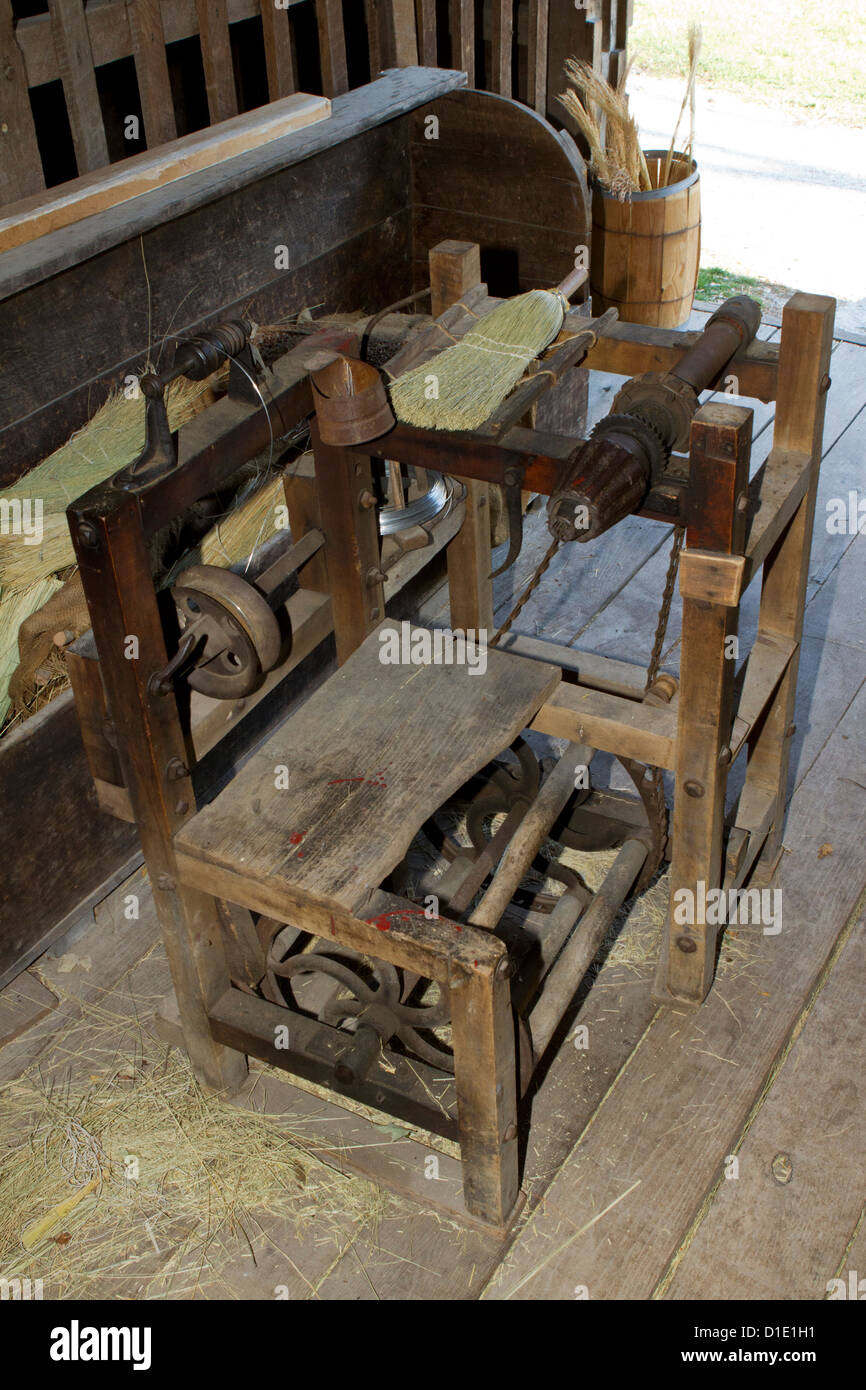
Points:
(780, 200)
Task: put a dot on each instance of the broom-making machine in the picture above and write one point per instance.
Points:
(293, 930)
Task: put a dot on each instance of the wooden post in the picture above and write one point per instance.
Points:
(804, 361)
(279, 51)
(216, 53)
(72, 43)
(502, 25)
(151, 69)
(344, 483)
(711, 571)
(455, 266)
(425, 25)
(332, 47)
(536, 81)
(20, 161)
(128, 633)
(482, 1031)
(461, 21)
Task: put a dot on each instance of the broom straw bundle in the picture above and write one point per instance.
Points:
(460, 389)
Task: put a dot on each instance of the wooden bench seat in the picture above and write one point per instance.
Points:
(330, 803)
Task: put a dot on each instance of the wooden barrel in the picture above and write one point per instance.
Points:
(646, 249)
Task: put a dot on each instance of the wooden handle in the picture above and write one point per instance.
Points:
(573, 281)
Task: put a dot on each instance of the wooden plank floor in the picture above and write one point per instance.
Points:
(631, 1140)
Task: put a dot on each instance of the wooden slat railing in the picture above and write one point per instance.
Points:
(72, 40)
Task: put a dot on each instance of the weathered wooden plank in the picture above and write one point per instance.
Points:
(352, 115)
(536, 91)
(279, 51)
(358, 794)
(151, 69)
(425, 11)
(335, 256)
(44, 774)
(20, 161)
(216, 53)
(153, 169)
(777, 1231)
(502, 34)
(72, 41)
(22, 1004)
(332, 47)
(462, 25)
(611, 724)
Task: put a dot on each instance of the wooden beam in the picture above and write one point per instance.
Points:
(425, 22)
(20, 161)
(279, 51)
(502, 25)
(151, 68)
(758, 680)
(79, 84)
(775, 493)
(216, 53)
(462, 24)
(70, 202)
(332, 47)
(536, 90)
(807, 342)
(720, 446)
(611, 724)
(628, 349)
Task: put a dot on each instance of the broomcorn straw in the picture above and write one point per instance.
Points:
(459, 389)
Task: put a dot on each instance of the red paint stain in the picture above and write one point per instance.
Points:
(377, 780)
(383, 923)
(297, 837)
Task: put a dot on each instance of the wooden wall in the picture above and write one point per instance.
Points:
(76, 71)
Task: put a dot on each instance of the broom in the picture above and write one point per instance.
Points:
(460, 389)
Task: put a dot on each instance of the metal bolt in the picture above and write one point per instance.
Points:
(182, 807)
(366, 500)
(375, 576)
(724, 756)
(165, 882)
(743, 502)
(790, 731)
(687, 945)
(505, 968)
(175, 770)
(826, 383)
(374, 615)
(87, 534)
(694, 789)
(510, 1132)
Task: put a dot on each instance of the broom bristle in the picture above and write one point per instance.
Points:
(460, 389)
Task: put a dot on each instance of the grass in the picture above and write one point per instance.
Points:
(715, 284)
(809, 58)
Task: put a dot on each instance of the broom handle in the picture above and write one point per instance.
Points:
(573, 281)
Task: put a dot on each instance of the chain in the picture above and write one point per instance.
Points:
(665, 608)
(525, 596)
